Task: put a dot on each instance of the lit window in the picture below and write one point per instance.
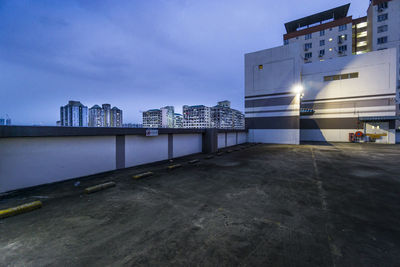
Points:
(330, 39)
(330, 49)
(260, 67)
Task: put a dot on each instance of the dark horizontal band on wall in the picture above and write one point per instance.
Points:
(331, 123)
(349, 97)
(335, 123)
(56, 131)
(276, 94)
(286, 122)
(276, 101)
(351, 104)
(271, 111)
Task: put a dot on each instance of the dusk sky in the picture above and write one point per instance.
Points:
(135, 55)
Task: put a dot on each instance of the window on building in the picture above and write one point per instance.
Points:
(341, 77)
(342, 48)
(382, 40)
(383, 28)
(286, 42)
(308, 55)
(321, 53)
(322, 33)
(321, 42)
(342, 27)
(382, 17)
(308, 36)
(342, 38)
(382, 6)
(307, 46)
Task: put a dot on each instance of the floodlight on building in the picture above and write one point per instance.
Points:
(298, 89)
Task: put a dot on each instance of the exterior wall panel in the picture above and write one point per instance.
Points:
(186, 144)
(142, 149)
(31, 161)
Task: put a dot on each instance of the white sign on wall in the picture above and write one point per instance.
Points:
(151, 132)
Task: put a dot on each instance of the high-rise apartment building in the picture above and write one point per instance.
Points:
(152, 118)
(96, 116)
(159, 118)
(6, 121)
(107, 115)
(224, 117)
(178, 120)
(74, 114)
(116, 117)
(221, 116)
(384, 28)
(196, 116)
(323, 35)
(167, 118)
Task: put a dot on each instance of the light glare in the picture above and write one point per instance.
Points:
(298, 89)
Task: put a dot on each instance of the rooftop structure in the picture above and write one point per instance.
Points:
(333, 14)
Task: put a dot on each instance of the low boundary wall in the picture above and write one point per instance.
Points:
(31, 156)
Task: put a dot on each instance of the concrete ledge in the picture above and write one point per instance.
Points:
(20, 209)
(142, 175)
(194, 161)
(99, 187)
(56, 131)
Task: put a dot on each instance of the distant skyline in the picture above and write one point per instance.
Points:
(137, 55)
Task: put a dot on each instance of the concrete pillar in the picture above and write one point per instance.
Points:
(170, 146)
(210, 141)
(120, 151)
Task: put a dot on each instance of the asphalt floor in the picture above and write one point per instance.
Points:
(262, 205)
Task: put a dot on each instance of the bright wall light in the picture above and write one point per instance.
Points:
(298, 89)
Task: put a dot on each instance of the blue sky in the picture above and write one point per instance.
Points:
(135, 55)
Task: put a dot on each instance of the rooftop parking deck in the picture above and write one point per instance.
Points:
(264, 205)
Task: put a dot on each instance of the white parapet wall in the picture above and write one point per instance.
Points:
(31, 156)
(221, 140)
(227, 139)
(186, 144)
(141, 149)
(31, 161)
